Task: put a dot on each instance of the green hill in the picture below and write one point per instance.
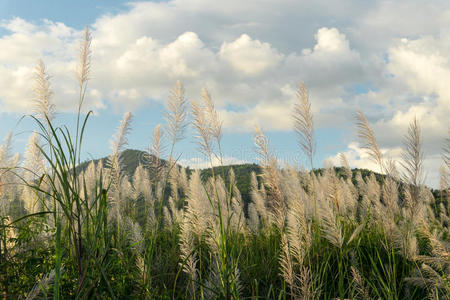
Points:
(131, 159)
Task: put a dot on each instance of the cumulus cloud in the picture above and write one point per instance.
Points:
(132, 68)
(250, 56)
(419, 71)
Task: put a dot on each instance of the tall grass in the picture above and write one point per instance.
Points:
(164, 232)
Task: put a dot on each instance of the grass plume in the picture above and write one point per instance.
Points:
(304, 124)
(367, 136)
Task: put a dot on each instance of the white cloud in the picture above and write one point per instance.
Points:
(201, 163)
(330, 40)
(130, 68)
(250, 56)
(419, 71)
(271, 116)
(358, 157)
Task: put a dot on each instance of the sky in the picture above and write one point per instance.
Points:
(390, 59)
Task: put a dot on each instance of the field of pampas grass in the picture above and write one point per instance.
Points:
(166, 232)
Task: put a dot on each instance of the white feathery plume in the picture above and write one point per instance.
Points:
(176, 115)
(90, 177)
(43, 93)
(413, 160)
(361, 184)
(42, 286)
(238, 217)
(188, 255)
(306, 283)
(334, 191)
(258, 199)
(173, 181)
(430, 279)
(298, 231)
(118, 142)
(198, 204)
(142, 184)
(200, 123)
(287, 265)
(175, 212)
(5, 152)
(360, 286)
(220, 191)
(168, 219)
(85, 53)
(208, 126)
(120, 139)
(8, 162)
(355, 233)
(253, 218)
(405, 241)
(350, 198)
(373, 189)
(126, 189)
(440, 250)
(290, 185)
(345, 164)
(214, 121)
(143, 190)
(367, 136)
(134, 236)
(331, 226)
(34, 167)
(390, 196)
(183, 180)
(156, 152)
(304, 124)
(271, 177)
(34, 160)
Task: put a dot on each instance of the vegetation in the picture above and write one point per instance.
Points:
(136, 226)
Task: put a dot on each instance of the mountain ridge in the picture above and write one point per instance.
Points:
(131, 158)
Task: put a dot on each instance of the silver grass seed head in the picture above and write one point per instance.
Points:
(34, 160)
(201, 125)
(43, 93)
(346, 165)
(214, 121)
(84, 59)
(120, 139)
(367, 137)
(176, 115)
(304, 124)
(413, 156)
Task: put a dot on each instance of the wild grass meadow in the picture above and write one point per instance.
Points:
(89, 230)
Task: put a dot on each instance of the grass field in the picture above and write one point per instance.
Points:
(165, 233)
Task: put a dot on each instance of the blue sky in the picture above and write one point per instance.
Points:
(389, 59)
(72, 13)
